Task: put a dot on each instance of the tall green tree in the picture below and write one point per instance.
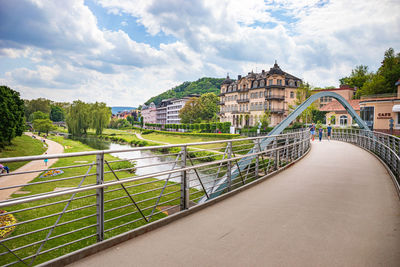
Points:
(383, 81)
(200, 109)
(265, 119)
(43, 125)
(57, 113)
(358, 77)
(190, 113)
(78, 118)
(101, 115)
(38, 115)
(40, 104)
(12, 121)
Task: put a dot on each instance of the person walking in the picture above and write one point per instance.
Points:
(46, 160)
(312, 131)
(329, 131)
(320, 132)
(4, 168)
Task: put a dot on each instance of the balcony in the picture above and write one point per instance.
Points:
(277, 110)
(275, 86)
(275, 97)
(221, 94)
(246, 100)
(221, 103)
(240, 112)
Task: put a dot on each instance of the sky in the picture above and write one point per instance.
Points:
(123, 52)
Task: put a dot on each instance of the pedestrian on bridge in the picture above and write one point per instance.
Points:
(320, 132)
(329, 131)
(312, 131)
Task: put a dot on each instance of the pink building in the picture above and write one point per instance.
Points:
(149, 113)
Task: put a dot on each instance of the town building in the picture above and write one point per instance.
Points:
(337, 115)
(345, 91)
(149, 113)
(244, 101)
(162, 111)
(174, 107)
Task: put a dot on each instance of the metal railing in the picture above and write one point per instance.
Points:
(100, 194)
(385, 146)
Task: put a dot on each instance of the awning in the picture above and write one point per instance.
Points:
(396, 108)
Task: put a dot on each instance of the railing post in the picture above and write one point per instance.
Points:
(229, 169)
(100, 197)
(257, 157)
(184, 181)
(276, 154)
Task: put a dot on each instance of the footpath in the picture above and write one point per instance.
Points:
(6, 181)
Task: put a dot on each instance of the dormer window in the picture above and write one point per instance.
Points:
(262, 83)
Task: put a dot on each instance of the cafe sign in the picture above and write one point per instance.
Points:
(386, 115)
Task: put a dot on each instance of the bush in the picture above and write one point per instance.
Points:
(147, 131)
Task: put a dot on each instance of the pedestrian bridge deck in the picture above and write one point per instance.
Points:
(335, 207)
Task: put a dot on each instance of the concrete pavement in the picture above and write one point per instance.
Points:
(335, 207)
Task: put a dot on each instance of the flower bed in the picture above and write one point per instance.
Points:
(6, 220)
(51, 173)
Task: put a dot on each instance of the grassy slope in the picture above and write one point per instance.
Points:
(22, 146)
(73, 146)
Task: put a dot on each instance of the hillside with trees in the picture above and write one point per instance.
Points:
(201, 86)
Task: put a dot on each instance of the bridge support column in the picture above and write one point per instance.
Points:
(184, 182)
(100, 197)
(257, 149)
(275, 146)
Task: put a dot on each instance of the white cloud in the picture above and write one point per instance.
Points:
(71, 57)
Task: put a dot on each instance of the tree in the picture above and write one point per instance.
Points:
(190, 113)
(40, 104)
(57, 113)
(302, 93)
(202, 109)
(101, 115)
(78, 118)
(12, 121)
(265, 119)
(358, 77)
(43, 125)
(38, 115)
(383, 81)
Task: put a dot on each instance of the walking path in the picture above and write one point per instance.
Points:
(336, 207)
(5, 181)
(138, 135)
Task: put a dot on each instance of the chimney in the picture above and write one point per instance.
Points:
(239, 77)
(398, 88)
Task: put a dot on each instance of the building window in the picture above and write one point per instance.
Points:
(343, 120)
(262, 83)
(270, 82)
(367, 114)
(398, 118)
(279, 82)
(292, 94)
(255, 84)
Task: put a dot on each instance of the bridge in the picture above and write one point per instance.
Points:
(276, 200)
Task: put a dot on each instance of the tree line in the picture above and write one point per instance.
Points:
(380, 82)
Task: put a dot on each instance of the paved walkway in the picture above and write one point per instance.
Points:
(336, 207)
(5, 181)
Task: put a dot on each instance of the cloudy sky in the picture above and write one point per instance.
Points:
(123, 52)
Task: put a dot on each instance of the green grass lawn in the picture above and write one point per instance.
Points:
(22, 146)
(119, 209)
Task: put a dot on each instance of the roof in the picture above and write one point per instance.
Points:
(336, 106)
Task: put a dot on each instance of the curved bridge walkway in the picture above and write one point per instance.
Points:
(335, 207)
